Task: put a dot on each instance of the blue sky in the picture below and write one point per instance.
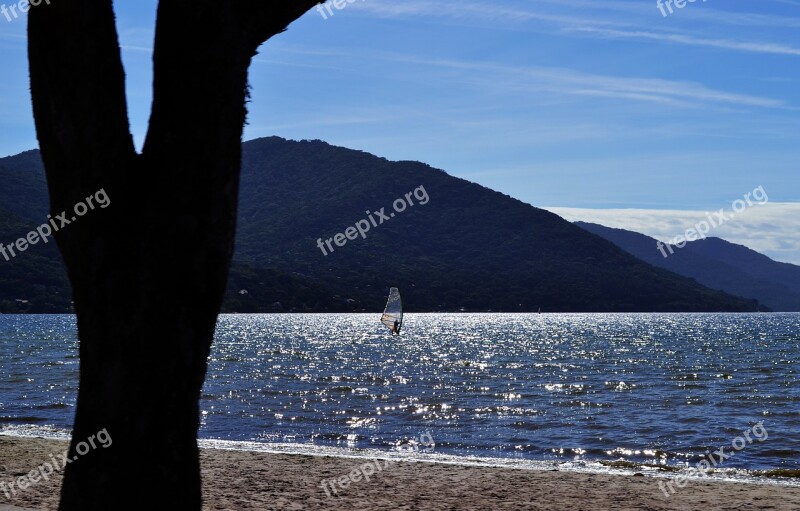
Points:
(605, 110)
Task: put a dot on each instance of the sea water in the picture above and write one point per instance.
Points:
(631, 392)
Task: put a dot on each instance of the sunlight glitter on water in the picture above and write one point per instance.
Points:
(572, 389)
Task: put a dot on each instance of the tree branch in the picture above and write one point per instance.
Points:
(272, 17)
(79, 109)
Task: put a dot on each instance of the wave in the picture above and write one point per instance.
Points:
(774, 477)
(777, 477)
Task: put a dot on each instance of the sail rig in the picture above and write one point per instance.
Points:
(393, 313)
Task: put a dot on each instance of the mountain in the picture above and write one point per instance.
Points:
(717, 264)
(466, 247)
(34, 281)
(448, 244)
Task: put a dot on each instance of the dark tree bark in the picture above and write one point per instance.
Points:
(148, 273)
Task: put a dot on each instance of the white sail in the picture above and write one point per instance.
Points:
(394, 311)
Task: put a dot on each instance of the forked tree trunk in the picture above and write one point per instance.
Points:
(148, 272)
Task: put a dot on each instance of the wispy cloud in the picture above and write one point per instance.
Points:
(536, 79)
(727, 44)
(568, 81)
(601, 19)
(493, 14)
(140, 49)
(608, 19)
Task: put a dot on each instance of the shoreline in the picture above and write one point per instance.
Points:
(373, 313)
(430, 456)
(250, 480)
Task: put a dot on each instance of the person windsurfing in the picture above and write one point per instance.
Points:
(393, 313)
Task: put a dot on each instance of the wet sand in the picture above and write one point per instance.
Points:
(237, 480)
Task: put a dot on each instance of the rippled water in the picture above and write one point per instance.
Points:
(573, 389)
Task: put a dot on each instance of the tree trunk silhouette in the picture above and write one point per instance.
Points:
(148, 272)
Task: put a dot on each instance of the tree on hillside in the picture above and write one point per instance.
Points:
(148, 273)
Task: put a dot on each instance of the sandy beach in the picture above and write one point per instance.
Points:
(237, 480)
